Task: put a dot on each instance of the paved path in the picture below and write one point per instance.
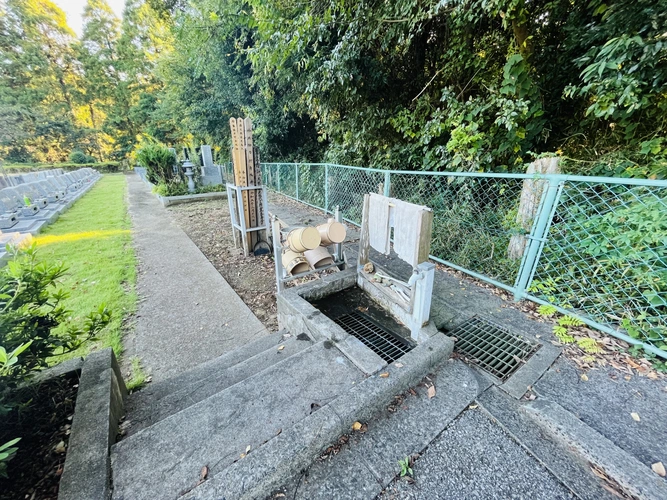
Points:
(187, 312)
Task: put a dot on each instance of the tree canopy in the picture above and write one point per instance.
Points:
(418, 84)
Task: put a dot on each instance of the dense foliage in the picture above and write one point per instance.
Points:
(158, 161)
(31, 312)
(418, 84)
(34, 326)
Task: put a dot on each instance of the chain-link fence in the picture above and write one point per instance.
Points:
(594, 248)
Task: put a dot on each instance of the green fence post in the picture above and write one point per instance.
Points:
(296, 176)
(537, 236)
(326, 189)
(387, 183)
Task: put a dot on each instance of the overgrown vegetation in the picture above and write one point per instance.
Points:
(138, 377)
(159, 163)
(466, 85)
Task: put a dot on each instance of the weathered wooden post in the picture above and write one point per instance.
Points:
(531, 194)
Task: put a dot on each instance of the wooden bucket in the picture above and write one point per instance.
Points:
(332, 232)
(319, 257)
(294, 262)
(303, 238)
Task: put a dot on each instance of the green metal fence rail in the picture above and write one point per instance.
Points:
(597, 248)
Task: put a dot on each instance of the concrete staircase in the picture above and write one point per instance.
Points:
(238, 425)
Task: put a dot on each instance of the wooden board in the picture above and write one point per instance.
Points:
(238, 160)
(252, 181)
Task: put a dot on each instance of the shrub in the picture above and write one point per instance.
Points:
(31, 312)
(79, 157)
(158, 162)
(34, 325)
(181, 188)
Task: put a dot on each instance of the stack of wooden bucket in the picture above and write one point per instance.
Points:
(306, 247)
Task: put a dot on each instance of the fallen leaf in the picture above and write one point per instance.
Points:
(635, 417)
(431, 392)
(356, 426)
(384, 375)
(204, 473)
(584, 377)
(398, 365)
(472, 407)
(281, 347)
(60, 447)
(628, 377)
(659, 469)
(242, 455)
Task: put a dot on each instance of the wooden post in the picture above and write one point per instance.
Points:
(531, 194)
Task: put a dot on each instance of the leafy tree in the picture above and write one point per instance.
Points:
(39, 81)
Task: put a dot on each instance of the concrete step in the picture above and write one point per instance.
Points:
(573, 471)
(165, 460)
(261, 473)
(368, 461)
(152, 404)
(634, 478)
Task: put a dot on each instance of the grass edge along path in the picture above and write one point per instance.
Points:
(94, 241)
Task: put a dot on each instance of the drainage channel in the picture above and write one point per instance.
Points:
(382, 342)
(492, 347)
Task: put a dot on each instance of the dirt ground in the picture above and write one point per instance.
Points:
(42, 419)
(208, 225)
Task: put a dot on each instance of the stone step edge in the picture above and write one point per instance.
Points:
(198, 373)
(633, 476)
(194, 407)
(260, 473)
(571, 470)
(187, 388)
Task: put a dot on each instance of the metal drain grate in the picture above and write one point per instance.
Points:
(492, 347)
(385, 344)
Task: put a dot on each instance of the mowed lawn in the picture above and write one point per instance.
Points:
(93, 239)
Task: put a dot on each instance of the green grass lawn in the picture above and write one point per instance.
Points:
(93, 239)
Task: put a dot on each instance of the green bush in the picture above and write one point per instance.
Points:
(158, 161)
(181, 188)
(79, 157)
(34, 325)
(31, 311)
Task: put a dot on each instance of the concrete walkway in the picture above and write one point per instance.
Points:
(187, 313)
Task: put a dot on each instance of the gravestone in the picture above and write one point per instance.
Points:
(206, 156)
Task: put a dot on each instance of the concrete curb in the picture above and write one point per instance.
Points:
(189, 198)
(633, 476)
(261, 472)
(99, 406)
(66, 368)
(177, 200)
